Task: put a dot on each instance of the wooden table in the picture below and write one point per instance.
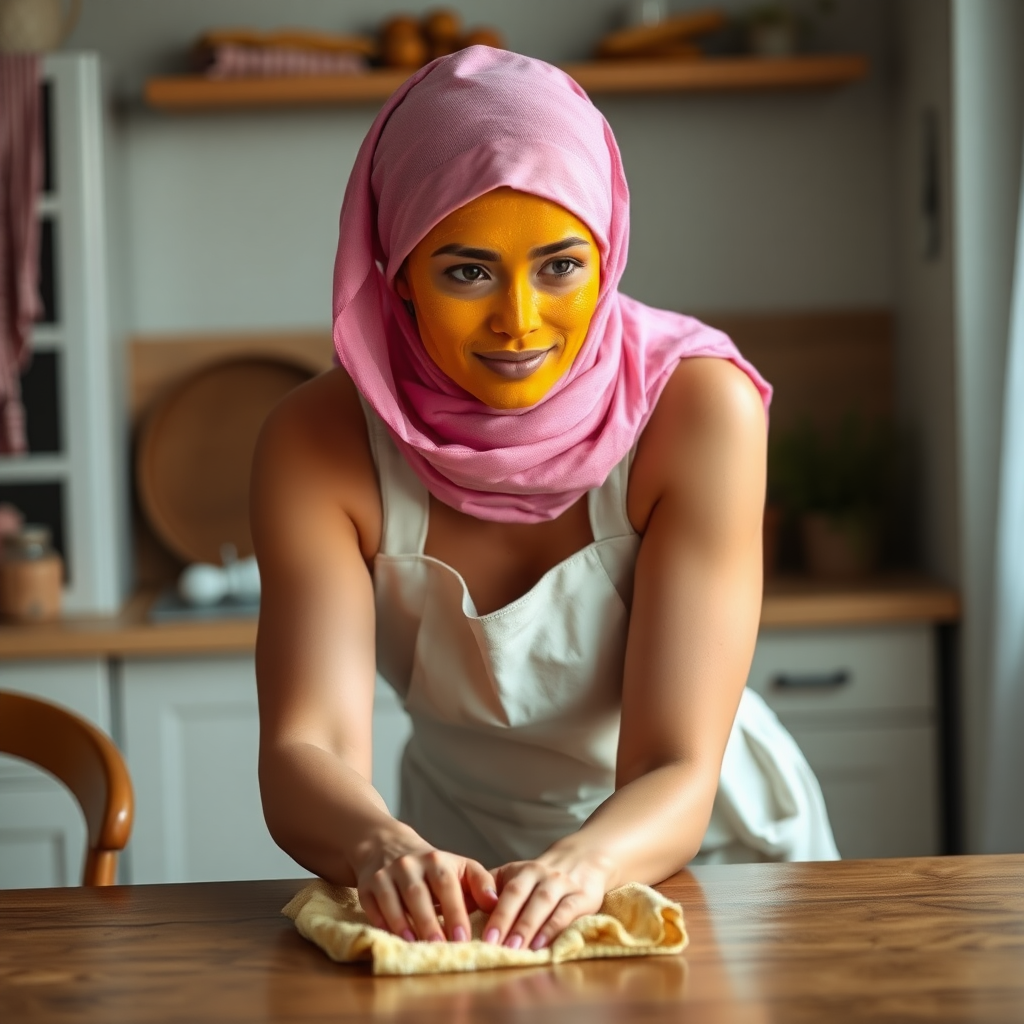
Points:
(935, 939)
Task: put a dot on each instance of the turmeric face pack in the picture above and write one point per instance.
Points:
(503, 291)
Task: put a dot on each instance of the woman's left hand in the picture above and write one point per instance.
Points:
(538, 899)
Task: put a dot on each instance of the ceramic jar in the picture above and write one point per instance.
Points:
(31, 576)
(35, 26)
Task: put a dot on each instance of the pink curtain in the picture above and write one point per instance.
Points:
(21, 162)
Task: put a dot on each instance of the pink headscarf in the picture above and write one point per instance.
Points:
(462, 126)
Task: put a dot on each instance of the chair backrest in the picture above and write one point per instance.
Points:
(86, 761)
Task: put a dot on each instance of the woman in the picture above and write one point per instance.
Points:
(534, 506)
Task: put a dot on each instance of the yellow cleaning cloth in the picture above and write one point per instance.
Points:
(633, 921)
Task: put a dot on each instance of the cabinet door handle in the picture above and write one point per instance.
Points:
(812, 680)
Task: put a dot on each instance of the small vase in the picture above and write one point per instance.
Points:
(839, 547)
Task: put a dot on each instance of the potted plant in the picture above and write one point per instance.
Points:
(778, 29)
(835, 483)
(772, 31)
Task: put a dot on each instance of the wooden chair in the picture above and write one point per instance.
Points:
(86, 761)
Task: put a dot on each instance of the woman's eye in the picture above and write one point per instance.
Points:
(562, 267)
(468, 273)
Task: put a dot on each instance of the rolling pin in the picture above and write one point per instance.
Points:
(649, 40)
(295, 39)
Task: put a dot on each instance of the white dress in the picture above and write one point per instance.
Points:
(515, 713)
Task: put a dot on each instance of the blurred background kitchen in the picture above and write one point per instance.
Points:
(837, 184)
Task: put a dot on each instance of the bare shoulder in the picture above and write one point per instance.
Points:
(707, 434)
(313, 456)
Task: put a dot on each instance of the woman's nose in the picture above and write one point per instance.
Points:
(517, 313)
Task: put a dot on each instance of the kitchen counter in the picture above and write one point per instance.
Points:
(801, 602)
(128, 633)
(860, 675)
(788, 603)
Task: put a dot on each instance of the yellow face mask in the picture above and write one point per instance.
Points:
(504, 289)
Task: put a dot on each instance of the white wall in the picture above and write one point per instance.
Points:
(988, 118)
(739, 202)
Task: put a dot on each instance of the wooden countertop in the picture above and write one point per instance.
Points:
(924, 939)
(128, 634)
(788, 603)
(800, 602)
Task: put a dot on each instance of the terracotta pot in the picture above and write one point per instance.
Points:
(839, 547)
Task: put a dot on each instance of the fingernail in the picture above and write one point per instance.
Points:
(491, 893)
(491, 935)
(514, 941)
(438, 937)
(459, 935)
(408, 936)
(539, 943)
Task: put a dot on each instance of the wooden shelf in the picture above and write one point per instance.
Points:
(719, 74)
(195, 92)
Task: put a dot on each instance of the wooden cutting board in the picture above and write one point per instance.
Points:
(194, 454)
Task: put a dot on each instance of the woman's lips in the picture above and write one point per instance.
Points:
(514, 365)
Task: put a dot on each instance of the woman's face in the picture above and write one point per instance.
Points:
(504, 289)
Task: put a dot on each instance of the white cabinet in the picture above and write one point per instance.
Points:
(42, 830)
(74, 477)
(859, 701)
(191, 733)
(191, 737)
(861, 704)
(880, 786)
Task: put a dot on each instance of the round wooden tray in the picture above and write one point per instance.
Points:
(194, 455)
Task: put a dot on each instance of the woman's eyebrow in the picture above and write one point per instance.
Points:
(553, 247)
(455, 249)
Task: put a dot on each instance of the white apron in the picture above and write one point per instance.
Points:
(515, 713)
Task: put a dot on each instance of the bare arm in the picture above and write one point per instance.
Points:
(316, 521)
(314, 649)
(697, 496)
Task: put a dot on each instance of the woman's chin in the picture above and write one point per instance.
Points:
(510, 397)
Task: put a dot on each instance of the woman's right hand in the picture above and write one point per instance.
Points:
(405, 885)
